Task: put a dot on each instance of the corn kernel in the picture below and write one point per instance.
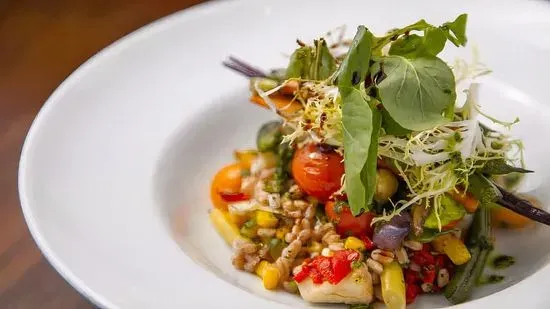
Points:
(281, 232)
(260, 269)
(354, 243)
(266, 219)
(314, 247)
(271, 277)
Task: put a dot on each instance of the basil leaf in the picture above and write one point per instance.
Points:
(361, 126)
(300, 63)
(500, 167)
(416, 91)
(324, 63)
(355, 66)
(456, 30)
(390, 126)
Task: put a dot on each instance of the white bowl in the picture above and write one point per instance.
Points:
(115, 170)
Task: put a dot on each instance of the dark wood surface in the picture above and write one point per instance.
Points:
(41, 43)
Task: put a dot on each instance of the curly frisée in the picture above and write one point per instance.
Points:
(375, 184)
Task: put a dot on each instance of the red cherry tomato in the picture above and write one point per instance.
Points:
(346, 224)
(318, 170)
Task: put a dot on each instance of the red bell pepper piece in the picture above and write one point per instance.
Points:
(369, 245)
(412, 290)
(234, 197)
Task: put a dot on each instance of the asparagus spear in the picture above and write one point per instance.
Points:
(479, 242)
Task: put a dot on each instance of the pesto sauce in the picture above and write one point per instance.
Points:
(490, 279)
(502, 261)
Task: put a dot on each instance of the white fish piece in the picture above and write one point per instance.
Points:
(355, 288)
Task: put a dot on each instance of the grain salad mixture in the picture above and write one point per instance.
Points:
(375, 183)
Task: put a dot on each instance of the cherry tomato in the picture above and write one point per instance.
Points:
(226, 186)
(346, 224)
(318, 170)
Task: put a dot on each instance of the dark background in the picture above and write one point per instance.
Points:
(41, 43)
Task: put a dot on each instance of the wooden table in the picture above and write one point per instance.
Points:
(41, 43)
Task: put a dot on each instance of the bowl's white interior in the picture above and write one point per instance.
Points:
(129, 143)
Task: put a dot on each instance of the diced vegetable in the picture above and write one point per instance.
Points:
(479, 243)
(237, 218)
(386, 185)
(392, 282)
(467, 200)
(504, 217)
(440, 241)
(354, 243)
(266, 219)
(449, 211)
(223, 224)
(285, 105)
(226, 183)
(281, 232)
(391, 234)
(269, 273)
(276, 247)
(246, 157)
(456, 250)
(250, 228)
(277, 183)
(269, 136)
(314, 247)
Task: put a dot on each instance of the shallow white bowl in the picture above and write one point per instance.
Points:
(115, 170)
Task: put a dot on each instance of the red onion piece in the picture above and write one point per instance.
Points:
(390, 235)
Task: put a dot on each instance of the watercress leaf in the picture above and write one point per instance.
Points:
(416, 91)
(500, 167)
(355, 66)
(408, 46)
(380, 42)
(456, 30)
(361, 127)
(434, 40)
(390, 126)
(324, 63)
(300, 63)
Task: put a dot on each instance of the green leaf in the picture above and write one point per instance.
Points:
(416, 91)
(434, 40)
(408, 46)
(355, 66)
(380, 42)
(500, 167)
(449, 211)
(413, 45)
(324, 63)
(390, 126)
(456, 30)
(300, 63)
(361, 126)
(483, 189)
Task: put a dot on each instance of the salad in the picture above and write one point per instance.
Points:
(375, 184)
